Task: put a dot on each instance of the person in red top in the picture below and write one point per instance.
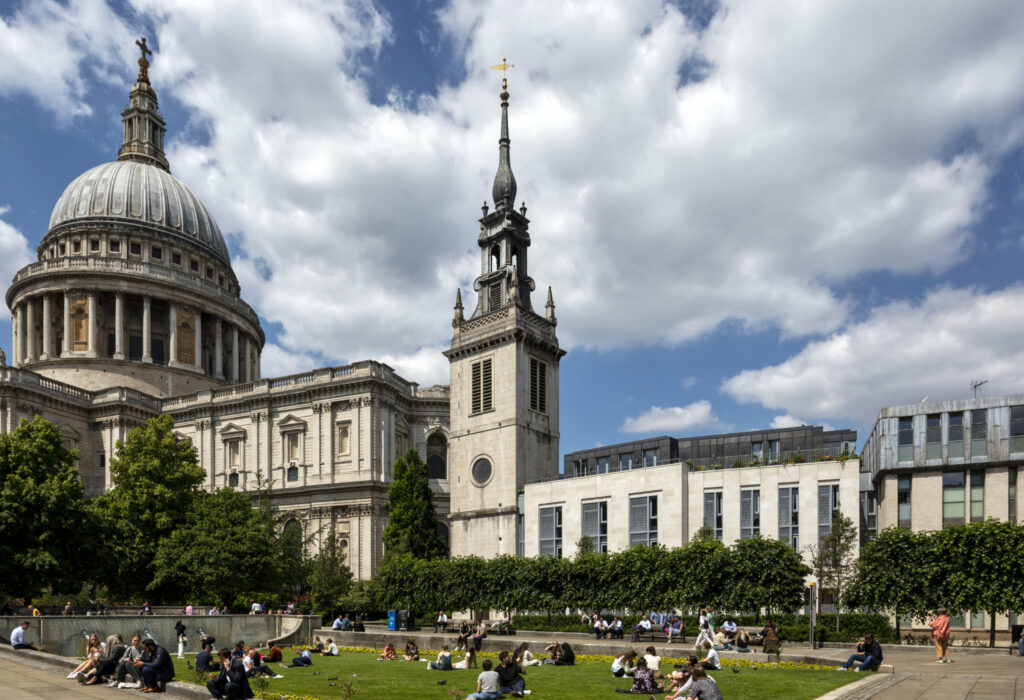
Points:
(940, 635)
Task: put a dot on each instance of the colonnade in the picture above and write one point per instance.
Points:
(34, 338)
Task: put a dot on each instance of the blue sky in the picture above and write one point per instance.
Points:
(751, 216)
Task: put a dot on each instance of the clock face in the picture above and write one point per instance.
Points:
(482, 471)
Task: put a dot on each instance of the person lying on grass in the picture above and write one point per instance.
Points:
(302, 659)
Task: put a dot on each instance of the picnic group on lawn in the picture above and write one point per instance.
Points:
(145, 665)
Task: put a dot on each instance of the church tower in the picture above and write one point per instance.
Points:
(504, 380)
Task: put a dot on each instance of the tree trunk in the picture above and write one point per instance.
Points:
(992, 630)
(898, 627)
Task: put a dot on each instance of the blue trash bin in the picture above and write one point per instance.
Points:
(392, 620)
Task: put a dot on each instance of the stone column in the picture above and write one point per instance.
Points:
(198, 353)
(47, 329)
(17, 334)
(92, 324)
(147, 329)
(173, 334)
(30, 331)
(248, 360)
(218, 350)
(65, 350)
(119, 329)
(259, 354)
(234, 354)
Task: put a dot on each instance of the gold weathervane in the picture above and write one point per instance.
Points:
(503, 67)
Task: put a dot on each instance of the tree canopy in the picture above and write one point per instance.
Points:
(412, 527)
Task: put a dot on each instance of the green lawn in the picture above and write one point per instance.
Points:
(587, 679)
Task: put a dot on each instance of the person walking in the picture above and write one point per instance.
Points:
(940, 635)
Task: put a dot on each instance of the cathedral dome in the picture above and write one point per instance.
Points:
(143, 195)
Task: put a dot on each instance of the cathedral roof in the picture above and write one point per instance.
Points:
(142, 194)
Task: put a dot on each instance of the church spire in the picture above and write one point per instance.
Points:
(504, 190)
(144, 128)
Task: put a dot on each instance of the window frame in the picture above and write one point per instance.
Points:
(600, 538)
(550, 546)
(789, 529)
(649, 535)
(714, 520)
(753, 527)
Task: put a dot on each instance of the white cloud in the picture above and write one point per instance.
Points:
(820, 145)
(278, 362)
(48, 49)
(901, 352)
(786, 421)
(673, 419)
(14, 254)
(689, 381)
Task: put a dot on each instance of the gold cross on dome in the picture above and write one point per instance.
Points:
(503, 67)
(141, 43)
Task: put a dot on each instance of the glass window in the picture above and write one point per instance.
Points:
(713, 512)
(602, 464)
(979, 432)
(651, 458)
(977, 620)
(482, 471)
(293, 473)
(94, 245)
(625, 461)
(550, 526)
(906, 439)
(903, 501)
(135, 248)
(521, 525)
(757, 451)
(977, 496)
(643, 520)
(112, 246)
(952, 499)
(956, 435)
(579, 467)
(233, 479)
(176, 258)
(750, 513)
(1016, 429)
(773, 450)
(156, 253)
(828, 504)
(77, 246)
(437, 456)
(595, 524)
(934, 437)
(193, 265)
(1011, 494)
(789, 516)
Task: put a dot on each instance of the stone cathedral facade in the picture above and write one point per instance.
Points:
(132, 310)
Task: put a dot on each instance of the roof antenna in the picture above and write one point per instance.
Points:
(977, 384)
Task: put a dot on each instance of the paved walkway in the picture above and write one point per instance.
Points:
(24, 682)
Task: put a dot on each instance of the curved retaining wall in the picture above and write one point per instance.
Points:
(67, 635)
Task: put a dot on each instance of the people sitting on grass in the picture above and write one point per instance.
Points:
(158, 670)
(389, 653)
(624, 664)
(711, 661)
(318, 644)
(444, 660)
(653, 661)
(487, 687)
(698, 685)
(464, 632)
(564, 656)
(524, 657)
(18, 636)
(205, 662)
(302, 658)
(93, 653)
(239, 650)
(331, 650)
(469, 661)
(254, 666)
(232, 682)
(412, 652)
(643, 678)
(869, 654)
(509, 679)
(126, 666)
(273, 654)
(640, 628)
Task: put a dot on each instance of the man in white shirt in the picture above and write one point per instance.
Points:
(711, 662)
(441, 623)
(337, 623)
(18, 637)
(641, 627)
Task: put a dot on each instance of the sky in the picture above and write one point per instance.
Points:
(751, 214)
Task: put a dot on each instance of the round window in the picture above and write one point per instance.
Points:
(481, 471)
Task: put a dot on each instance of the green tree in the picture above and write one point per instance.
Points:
(892, 574)
(766, 573)
(330, 578)
(155, 476)
(701, 574)
(44, 524)
(834, 562)
(412, 527)
(223, 548)
(980, 563)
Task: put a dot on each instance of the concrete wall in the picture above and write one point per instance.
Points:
(63, 635)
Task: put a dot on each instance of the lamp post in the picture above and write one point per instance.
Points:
(814, 611)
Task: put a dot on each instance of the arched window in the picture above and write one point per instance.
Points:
(437, 456)
(233, 480)
(495, 258)
(515, 257)
(293, 473)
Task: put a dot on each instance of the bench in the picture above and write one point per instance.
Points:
(659, 636)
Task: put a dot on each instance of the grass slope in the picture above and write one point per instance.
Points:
(587, 679)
